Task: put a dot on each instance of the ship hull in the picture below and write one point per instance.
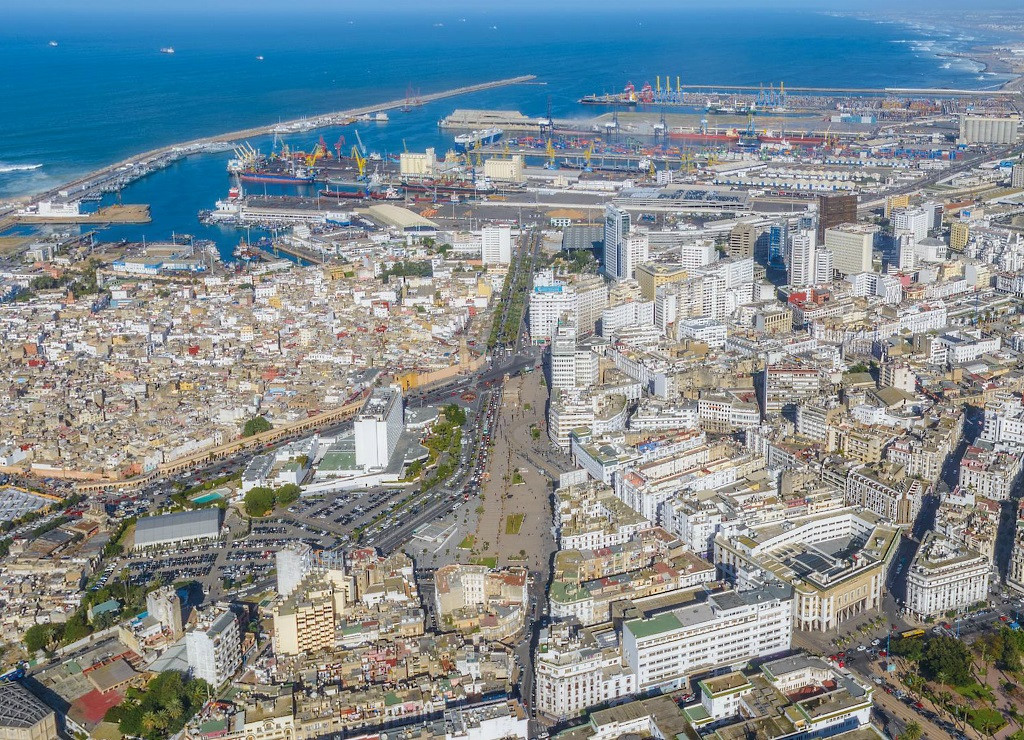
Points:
(273, 178)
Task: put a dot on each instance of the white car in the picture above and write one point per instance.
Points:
(861, 648)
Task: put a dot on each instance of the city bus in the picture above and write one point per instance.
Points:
(911, 634)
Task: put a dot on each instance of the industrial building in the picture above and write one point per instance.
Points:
(179, 528)
(988, 129)
(23, 716)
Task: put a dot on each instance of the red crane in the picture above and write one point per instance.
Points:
(339, 145)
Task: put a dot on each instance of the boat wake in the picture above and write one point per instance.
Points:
(5, 168)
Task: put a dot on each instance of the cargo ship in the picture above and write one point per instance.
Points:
(354, 189)
(296, 176)
(474, 139)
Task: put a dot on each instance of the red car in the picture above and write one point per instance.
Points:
(919, 705)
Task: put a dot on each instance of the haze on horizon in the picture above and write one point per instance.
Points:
(272, 7)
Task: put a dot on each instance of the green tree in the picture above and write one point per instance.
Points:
(40, 636)
(287, 494)
(259, 501)
(949, 658)
(912, 731)
(256, 425)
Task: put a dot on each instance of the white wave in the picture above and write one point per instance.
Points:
(5, 168)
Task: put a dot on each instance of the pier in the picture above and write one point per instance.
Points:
(143, 162)
(114, 214)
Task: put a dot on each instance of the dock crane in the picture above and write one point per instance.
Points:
(362, 148)
(323, 147)
(339, 145)
(550, 151)
(360, 161)
(587, 154)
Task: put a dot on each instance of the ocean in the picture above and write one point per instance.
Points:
(105, 92)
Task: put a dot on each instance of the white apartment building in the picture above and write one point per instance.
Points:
(630, 313)
(697, 254)
(885, 490)
(801, 269)
(824, 265)
(913, 220)
(496, 245)
(573, 674)
(958, 347)
(572, 366)
(378, 427)
(945, 576)
(990, 473)
(711, 332)
(728, 629)
(552, 301)
(214, 648)
(1004, 421)
(851, 246)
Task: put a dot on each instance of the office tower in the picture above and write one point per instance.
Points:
(835, 210)
(616, 229)
(378, 427)
(851, 247)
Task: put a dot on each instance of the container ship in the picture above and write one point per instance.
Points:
(474, 139)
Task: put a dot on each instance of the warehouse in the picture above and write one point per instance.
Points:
(179, 528)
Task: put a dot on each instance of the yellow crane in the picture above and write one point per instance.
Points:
(550, 151)
(587, 154)
(360, 161)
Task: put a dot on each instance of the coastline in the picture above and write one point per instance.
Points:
(195, 146)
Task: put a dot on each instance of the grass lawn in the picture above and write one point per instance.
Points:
(514, 523)
(467, 542)
(490, 562)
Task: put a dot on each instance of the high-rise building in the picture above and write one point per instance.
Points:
(496, 245)
(378, 427)
(835, 210)
(959, 234)
(778, 243)
(563, 357)
(894, 202)
(164, 605)
(743, 240)
(616, 229)
(214, 647)
(305, 621)
(851, 246)
(1017, 176)
(823, 265)
(801, 272)
(294, 563)
(913, 220)
(652, 276)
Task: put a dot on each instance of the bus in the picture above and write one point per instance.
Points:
(911, 634)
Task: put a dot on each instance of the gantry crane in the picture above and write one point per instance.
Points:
(360, 161)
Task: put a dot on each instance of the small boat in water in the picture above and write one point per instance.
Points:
(167, 50)
(259, 58)
(53, 43)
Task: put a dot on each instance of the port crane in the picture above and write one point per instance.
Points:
(550, 151)
(339, 145)
(360, 161)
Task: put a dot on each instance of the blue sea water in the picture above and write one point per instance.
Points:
(105, 92)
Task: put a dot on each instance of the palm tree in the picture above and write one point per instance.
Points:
(912, 731)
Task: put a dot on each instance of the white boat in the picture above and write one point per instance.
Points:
(381, 117)
(167, 50)
(53, 43)
(259, 58)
